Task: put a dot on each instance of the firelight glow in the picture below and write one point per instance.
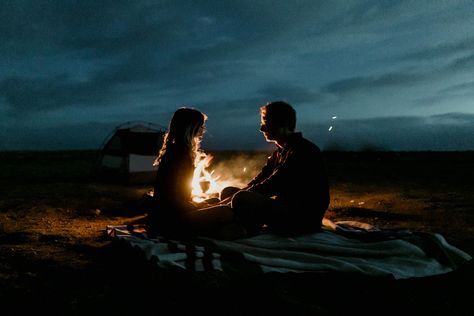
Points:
(204, 184)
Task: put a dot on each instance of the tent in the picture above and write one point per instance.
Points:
(127, 154)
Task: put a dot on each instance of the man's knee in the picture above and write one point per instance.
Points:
(241, 198)
(228, 192)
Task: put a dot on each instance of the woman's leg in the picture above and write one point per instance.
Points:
(210, 220)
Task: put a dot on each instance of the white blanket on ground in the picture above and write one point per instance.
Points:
(341, 246)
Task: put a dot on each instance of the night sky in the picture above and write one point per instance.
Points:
(388, 75)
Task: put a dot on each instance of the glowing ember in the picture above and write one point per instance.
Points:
(204, 184)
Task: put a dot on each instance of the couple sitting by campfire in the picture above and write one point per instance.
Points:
(278, 199)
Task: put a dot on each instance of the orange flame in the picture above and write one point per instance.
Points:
(204, 184)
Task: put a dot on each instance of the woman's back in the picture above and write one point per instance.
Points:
(172, 189)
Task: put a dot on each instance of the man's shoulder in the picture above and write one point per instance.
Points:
(306, 143)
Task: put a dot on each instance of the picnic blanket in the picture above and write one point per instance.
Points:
(344, 246)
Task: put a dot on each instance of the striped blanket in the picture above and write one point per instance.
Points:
(342, 246)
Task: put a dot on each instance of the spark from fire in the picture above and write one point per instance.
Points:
(330, 127)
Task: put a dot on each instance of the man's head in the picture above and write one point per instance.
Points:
(278, 120)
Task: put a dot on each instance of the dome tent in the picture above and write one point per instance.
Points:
(127, 154)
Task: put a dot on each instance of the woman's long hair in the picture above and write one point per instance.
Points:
(185, 129)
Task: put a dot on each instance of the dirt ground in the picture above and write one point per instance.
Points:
(56, 258)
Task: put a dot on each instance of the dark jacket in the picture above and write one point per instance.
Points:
(172, 191)
(296, 176)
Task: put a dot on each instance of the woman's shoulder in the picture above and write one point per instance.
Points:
(177, 153)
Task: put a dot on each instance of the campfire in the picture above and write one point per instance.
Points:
(205, 185)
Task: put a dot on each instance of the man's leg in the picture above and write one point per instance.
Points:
(254, 210)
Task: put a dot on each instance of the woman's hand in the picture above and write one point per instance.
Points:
(207, 203)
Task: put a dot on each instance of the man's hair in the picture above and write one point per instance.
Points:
(280, 113)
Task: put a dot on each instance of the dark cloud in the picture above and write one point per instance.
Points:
(134, 59)
(372, 83)
(459, 119)
(462, 88)
(104, 27)
(451, 131)
(225, 115)
(441, 51)
(24, 95)
(400, 79)
(167, 44)
(289, 92)
(465, 63)
(62, 137)
(452, 93)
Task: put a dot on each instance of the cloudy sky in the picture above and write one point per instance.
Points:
(391, 75)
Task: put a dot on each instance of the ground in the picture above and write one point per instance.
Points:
(55, 256)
